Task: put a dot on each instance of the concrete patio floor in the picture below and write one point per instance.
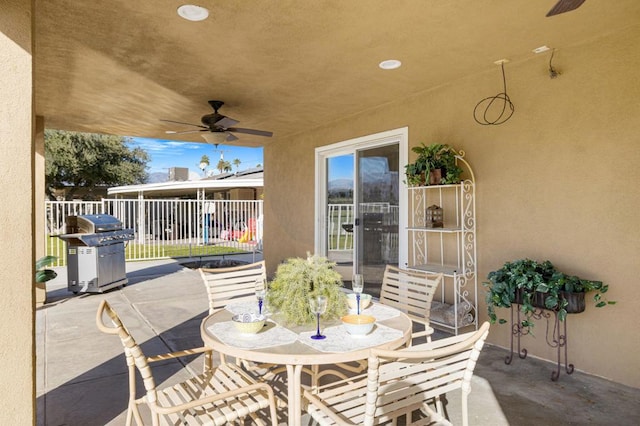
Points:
(82, 376)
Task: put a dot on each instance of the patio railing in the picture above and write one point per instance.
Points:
(167, 228)
(181, 228)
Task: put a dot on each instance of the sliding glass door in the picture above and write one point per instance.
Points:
(359, 203)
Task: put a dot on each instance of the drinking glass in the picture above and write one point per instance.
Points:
(358, 285)
(318, 306)
(261, 293)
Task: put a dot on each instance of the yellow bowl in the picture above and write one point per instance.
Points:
(358, 325)
(248, 323)
(365, 300)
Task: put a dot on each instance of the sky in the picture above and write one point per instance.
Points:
(167, 153)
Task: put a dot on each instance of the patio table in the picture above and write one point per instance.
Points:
(292, 347)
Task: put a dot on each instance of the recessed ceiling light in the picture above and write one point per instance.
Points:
(390, 64)
(192, 12)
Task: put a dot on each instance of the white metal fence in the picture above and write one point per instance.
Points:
(167, 228)
(177, 228)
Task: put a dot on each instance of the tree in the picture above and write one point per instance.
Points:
(85, 160)
(236, 163)
(204, 163)
(223, 166)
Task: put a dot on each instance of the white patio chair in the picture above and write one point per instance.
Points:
(235, 283)
(401, 386)
(219, 396)
(411, 292)
(232, 284)
(408, 291)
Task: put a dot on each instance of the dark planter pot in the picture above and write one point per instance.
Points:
(539, 300)
(518, 299)
(575, 302)
(435, 177)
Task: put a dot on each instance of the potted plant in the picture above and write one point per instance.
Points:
(538, 285)
(567, 294)
(436, 164)
(298, 279)
(42, 275)
(516, 282)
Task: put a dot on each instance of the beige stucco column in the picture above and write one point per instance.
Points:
(38, 208)
(17, 319)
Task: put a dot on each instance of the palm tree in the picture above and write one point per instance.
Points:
(223, 166)
(204, 163)
(236, 163)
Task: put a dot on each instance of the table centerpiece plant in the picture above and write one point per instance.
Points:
(298, 279)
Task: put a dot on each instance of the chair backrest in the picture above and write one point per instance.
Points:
(403, 380)
(410, 292)
(237, 283)
(132, 350)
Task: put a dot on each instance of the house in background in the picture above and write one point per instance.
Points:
(244, 185)
(556, 181)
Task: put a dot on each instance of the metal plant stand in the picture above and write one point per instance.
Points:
(556, 339)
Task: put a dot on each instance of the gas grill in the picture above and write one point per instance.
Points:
(95, 253)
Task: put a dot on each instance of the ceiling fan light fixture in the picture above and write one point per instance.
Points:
(390, 64)
(215, 137)
(191, 12)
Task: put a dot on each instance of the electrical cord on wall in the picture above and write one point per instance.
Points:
(488, 102)
(553, 73)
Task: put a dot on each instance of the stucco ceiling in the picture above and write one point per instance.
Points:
(118, 66)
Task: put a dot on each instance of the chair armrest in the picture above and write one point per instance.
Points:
(325, 410)
(338, 383)
(179, 354)
(427, 332)
(221, 396)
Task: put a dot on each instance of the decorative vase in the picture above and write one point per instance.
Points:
(435, 177)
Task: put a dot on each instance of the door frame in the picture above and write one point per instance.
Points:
(350, 146)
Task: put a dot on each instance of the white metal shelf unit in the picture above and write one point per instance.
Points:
(450, 250)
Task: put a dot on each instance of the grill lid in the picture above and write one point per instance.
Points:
(92, 223)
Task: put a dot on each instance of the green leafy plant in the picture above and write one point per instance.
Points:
(523, 280)
(432, 157)
(561, 282)
(297, 279)
(42, 274)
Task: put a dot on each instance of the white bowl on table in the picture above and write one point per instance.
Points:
(249, 323)
(365, 300)
(358, 325)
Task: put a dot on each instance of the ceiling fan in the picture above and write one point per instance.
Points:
(565, 6)
(217, 128)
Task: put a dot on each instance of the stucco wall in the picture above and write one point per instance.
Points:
(558, 181)
(17, 378)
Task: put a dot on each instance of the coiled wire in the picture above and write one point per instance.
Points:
(507, 106)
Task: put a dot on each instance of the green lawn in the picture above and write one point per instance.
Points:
(135, 251)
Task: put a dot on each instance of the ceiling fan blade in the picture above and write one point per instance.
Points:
(173, 132)
(251, 131)
(565, 6)
(226, 122)
(187, 124)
